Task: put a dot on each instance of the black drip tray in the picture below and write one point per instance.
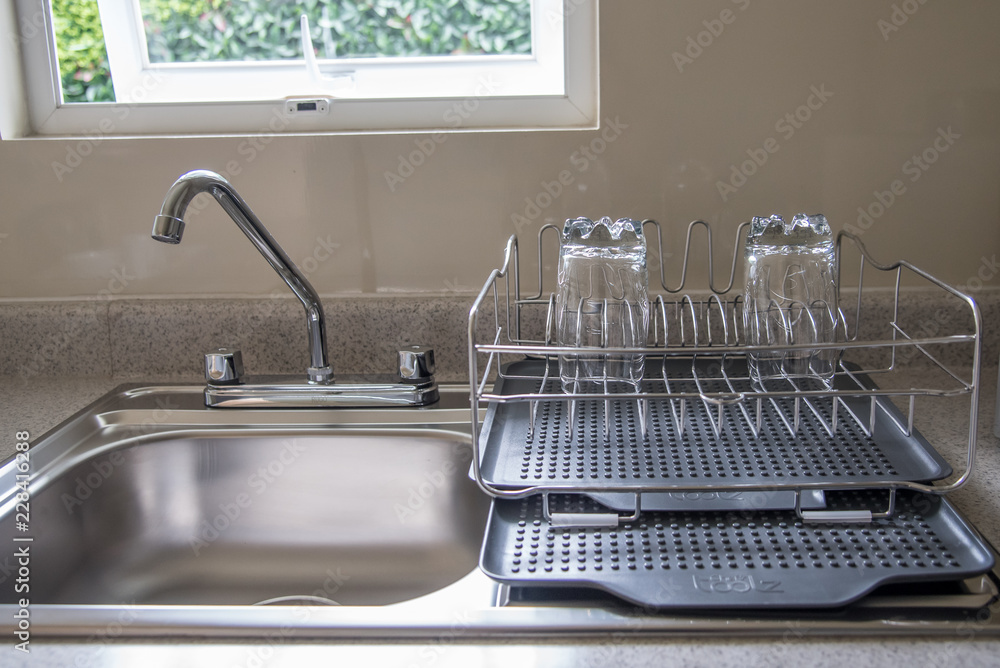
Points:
(592, 453)
(733, 559)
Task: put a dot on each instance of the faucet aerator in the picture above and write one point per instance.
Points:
(168, 229)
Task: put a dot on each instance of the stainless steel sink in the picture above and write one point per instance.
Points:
(237, 518)
(152, 515)
(150, 505)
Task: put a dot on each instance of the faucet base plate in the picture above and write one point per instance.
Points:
(295, 393)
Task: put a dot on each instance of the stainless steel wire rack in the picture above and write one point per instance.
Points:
(696, 423)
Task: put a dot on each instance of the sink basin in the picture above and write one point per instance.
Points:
(251, 511)
(237, 518)
(155, 516)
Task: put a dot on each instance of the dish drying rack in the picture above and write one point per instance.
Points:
(697, 429)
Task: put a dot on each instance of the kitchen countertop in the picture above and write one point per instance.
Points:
(41, 403)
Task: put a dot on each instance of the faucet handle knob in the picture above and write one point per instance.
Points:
(224, 366)
(416, 363)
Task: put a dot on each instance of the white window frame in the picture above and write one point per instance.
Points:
(556, 87)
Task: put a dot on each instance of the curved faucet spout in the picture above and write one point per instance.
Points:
(168, 227)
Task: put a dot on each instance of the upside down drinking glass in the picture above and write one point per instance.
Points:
(790, 298)
(602, 301)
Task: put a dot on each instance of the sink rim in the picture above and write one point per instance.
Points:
(481, 616)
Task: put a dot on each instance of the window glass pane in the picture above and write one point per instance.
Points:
(522, 63)
(186, 31)
(83, 59)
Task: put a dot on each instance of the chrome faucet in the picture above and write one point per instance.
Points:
(168, 227)
(224, 366)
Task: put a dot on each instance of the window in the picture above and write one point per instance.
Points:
(251, 72)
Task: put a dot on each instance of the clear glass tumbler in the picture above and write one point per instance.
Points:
(602, 301)
(791, 298)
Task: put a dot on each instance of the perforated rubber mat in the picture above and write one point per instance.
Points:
(733, 559)
(515, 456)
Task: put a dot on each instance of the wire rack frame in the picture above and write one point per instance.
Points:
(692, 328)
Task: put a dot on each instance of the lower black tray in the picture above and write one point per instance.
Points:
(733, 559)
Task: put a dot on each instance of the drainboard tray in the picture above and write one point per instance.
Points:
(733, 559)
(515, 456)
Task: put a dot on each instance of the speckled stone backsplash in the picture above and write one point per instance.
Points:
(165, 338)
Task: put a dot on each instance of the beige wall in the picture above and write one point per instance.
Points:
(679, 134)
